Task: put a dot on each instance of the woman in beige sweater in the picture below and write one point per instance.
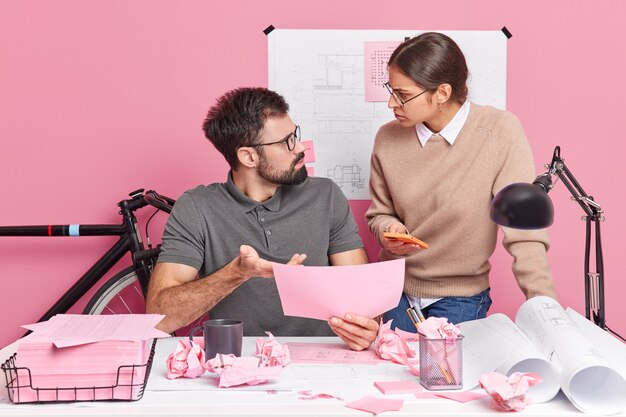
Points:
(434, 172)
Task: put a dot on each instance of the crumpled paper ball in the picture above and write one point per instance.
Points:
(438, 328)
(186, 361)
(271, 352)
(509, 393)
(266, 365)
(392, 346)
(235, 371)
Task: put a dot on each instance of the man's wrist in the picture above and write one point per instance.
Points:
(236, 271)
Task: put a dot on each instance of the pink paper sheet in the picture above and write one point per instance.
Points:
(77, 329)
(376, 405)
(330, 353)
(321, 292)
(70, 351)
(376, 56)
(309, 151)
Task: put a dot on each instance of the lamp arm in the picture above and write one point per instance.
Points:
(586, 202)
(594, 281)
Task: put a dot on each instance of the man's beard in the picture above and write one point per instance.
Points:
(289, 177)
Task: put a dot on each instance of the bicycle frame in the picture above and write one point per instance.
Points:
(130, 241)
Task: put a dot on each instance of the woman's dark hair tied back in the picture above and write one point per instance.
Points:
(432, 59)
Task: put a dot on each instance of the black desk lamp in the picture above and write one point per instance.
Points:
(527, 206)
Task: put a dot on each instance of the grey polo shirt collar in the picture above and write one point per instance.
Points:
(248, 204)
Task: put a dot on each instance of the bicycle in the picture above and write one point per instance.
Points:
(109, 297)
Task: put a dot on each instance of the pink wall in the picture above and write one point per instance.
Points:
(82, 84)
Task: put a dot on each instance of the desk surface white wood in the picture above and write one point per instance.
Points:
(203, 399)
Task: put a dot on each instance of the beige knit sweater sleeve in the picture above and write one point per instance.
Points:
(381, 210)
(527, 247)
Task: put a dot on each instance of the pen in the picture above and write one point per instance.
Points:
(415, 314)
(415, 317)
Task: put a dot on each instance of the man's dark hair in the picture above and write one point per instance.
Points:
(238, 117)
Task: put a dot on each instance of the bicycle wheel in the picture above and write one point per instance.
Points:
(122, 295)
(119, 295)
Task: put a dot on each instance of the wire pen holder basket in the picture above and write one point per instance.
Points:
(441, 363)
(130, 383)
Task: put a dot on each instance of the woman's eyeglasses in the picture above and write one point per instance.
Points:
(397, 98)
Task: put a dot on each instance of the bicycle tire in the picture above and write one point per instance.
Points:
(100, 302)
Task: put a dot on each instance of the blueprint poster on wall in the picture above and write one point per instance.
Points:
(332, 80)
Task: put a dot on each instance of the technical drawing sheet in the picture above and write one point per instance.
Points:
(588, 379)
(335, 93)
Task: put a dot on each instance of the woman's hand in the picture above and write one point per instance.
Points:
(395, 246)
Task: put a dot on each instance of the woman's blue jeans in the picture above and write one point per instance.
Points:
(455, 309)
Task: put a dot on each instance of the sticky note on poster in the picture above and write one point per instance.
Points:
(376, 55)
(309, 151)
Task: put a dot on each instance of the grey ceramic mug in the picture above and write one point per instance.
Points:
(220, 336)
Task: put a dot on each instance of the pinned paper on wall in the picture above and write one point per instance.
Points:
(376, 55)
(321, 292)
(325, 86)
(309, 151)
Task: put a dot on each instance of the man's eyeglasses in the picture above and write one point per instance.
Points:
(397, 98)
(289, 140)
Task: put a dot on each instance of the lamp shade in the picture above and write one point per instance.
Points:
(522, 206)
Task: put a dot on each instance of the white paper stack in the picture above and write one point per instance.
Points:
(90, 355)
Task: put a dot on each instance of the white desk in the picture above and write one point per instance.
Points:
(201, 397)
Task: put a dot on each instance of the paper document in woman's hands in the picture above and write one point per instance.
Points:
(321, 292)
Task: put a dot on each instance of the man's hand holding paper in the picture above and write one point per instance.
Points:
(346, 296)
(252, 265)
(358, 332)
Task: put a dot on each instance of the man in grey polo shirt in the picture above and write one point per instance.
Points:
(267, 211)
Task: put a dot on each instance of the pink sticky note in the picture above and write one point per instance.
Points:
(376, 56)
(398, 387)
(310, 171)
(376, 405)
(461, 396)
(309, 151)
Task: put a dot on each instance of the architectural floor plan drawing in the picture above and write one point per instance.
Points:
(348, 177)
(323, 76)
